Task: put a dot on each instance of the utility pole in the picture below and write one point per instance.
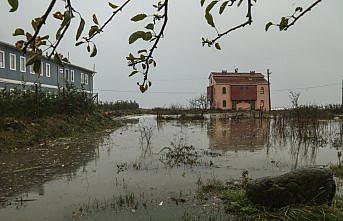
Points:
(270, 103)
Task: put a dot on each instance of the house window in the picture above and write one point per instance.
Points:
(224, 90)
(47, 70)
(31, 69)
(66, 75)
(86, 79)
(2, 59)
(262, 90)
(22, 64)
(82, 78)
(224, 103)
(13, 60)
(72, 76)
(41, 71)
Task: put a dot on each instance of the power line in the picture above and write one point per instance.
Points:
(193, 92)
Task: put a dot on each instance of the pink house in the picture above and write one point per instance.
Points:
(238, 91)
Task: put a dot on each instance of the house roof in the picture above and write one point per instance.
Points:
(66, 63)
(252, 78)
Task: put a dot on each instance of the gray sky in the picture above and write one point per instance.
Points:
(309, 54)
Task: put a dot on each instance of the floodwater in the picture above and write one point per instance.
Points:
(124, 175)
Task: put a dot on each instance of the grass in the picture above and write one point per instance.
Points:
(22, 133)
(337, 170)
(236, 203)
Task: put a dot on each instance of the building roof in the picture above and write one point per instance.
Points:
(70, 64)
(233, 78)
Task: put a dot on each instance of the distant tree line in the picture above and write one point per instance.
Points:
(119, 105)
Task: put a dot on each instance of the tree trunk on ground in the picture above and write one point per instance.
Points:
(313, 186)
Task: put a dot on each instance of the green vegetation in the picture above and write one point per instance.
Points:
(119, 105)
(337, 170)
(35, 116)
(236, 203)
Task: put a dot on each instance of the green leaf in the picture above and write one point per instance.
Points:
(222, 7)
(138, 17)
(92, 30)
(142, 51)
(18, 31)
(67, 18)
(32, 59)
(147, 36)
(150, 26)
(112, 5)
(14, 4)
(95, 19)
(136, 35)
(133, 73)
(79, 43)
(45, 37)
(268, 25)
(283, 23)
(217, 45)
(239, 3)
(202, 2)
(80, 29)
(210, 6)
(94, 52)
(209, 19)
(57, 59)
(298, 9)
(143, 88)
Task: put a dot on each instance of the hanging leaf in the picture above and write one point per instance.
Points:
(202, 2)
(283, 23)
(150, 26)
(222, 7)
(268, 25)
(217, 45)
(14, 4)
(112, 5)
(143, 88)
(138, 17)
(239, 3)
(94, 52)
(210, 6)
(133, 73)
(209, 19)
(298, 9)
(92, 30)
(95, 19)
(136, 35)
(18, 31)
(80, 29)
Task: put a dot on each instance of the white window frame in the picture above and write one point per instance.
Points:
(22, 64)
(13, 56)
(72, 75)
(31, 69)
(262, 90)
(48, 70)
(66, 74)
(86, 79)
(82, 78)
(41, 69)
(2, 54)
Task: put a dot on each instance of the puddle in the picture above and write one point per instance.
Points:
(124, 175)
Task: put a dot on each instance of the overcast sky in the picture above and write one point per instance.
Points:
(309, 54)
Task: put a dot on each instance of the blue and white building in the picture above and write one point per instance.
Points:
(15, 74)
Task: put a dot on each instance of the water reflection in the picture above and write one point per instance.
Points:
(232, 135)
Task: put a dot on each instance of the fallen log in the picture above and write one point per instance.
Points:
(312, 186)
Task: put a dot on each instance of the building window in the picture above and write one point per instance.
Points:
(66, 75)
(262, 90)
(82, 78)
(86, 79)
(72, 76)
(224, 103)
(31, 69)
(47, 70)
(224, 90)
(22, 64)
(41, 71)
(2, 59)
(13, 61)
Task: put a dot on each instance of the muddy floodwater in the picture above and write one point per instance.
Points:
(134, 172)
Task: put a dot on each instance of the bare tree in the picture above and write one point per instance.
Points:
(294, 96)
(201, 102)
